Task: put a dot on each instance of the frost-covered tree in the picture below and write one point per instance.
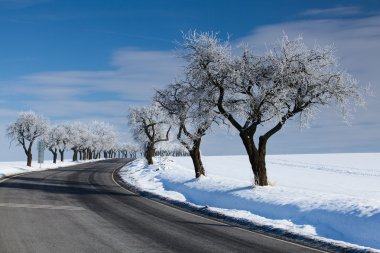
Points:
(77, 135)
(104, 138)
(129, 150)
(193, 115)
(51, 145)
(62, 137)
(53, 140)
(90, 140)
(253, 91)
(171, 148)
(149, 126)
(27, 128)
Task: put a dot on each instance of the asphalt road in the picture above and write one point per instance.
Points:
(81, 209)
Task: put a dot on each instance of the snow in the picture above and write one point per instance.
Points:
(13, 168)
(333, 196)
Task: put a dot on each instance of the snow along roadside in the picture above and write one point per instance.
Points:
(162, 181)
(9, 169)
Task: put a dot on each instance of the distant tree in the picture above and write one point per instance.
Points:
(129, 150)
(64, 143)
(171, 148)
(193, 115)
(27, 128)
(90, 140)
(149, 126)
(73, 132)
(51, 142)
(104, 137)
(252, 91)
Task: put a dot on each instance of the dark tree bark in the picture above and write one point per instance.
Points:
(89, 154)
(256, 159)
(29, 159)
(62, 153)
(256, 156)
(75, 154)
(194, 150)
(149, 154)
(54, 153)
(28, 153)
(195, 155)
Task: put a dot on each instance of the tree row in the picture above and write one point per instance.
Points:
(254, 95)
(86, 141)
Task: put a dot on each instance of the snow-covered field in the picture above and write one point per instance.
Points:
(14, 168)
(335, 196)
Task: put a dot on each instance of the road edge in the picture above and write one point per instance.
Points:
(267, 231)
(5, 178)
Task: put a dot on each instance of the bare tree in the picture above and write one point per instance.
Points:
(252, 91)
(27, 128)
(192, 114)
(149, 126)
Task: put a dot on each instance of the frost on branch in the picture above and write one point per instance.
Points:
(56, 140)
(149, 125)
(27, 128)
(251, 91)
(310, 78)
(192, 113)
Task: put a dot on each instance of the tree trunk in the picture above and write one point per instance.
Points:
(62, 152)
(263, 179)
(29, 159)
(105, 154)
(150, 150)
(195, 155)
(256, 159)
(54, 153)
(75, 154)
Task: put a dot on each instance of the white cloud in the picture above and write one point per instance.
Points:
(132, 77)
(134, 73)
(135, 76)
(338, 11)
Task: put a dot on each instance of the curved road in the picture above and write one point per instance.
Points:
(81, 209)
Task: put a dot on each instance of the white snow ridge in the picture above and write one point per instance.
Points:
(332, 197)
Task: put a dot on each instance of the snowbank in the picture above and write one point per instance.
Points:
(13, 168)
(336, 196)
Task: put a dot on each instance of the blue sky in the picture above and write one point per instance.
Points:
(84, 60)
